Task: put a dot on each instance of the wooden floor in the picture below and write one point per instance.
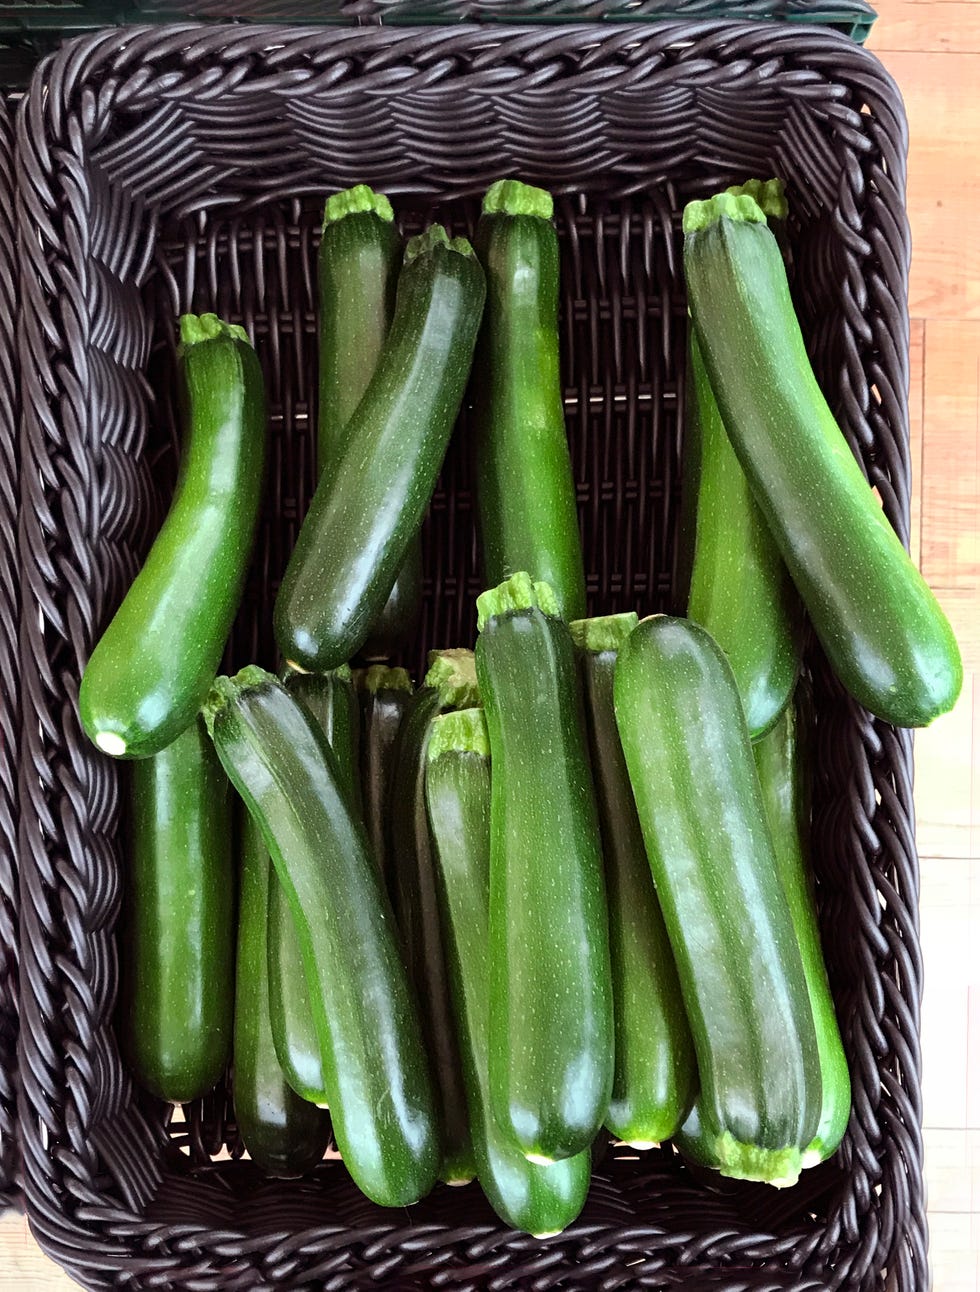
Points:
(932, 47)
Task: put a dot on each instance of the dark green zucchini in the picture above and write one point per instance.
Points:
(704, 825)
(385, 696)
(360, 255)
(656, 1072)
(880, 626)
(551, 1020)
(151, 669)
(284, 1134)
(537, 1198)
(366, 512)
(374, 1065)
(330, 700)
(178, 964)
(449, 683)
(525, 489)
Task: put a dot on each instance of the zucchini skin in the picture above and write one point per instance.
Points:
(375, 1069)
(178, 966)
(330, 700)
(284, 1134)
(740, 590)
(656, 1076)
(525, 488)
(359, 258)
(551, 1021)
(150, 671)
(385, 697)
(417, 910)
(538, 1199)
(366, 513)
(880, 626)
(700, 807)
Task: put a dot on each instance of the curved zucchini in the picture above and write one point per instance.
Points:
(178, 963)
(365, 514)
(539, 1199)
(525, 489)
(360, 255)
(656, 1072)
(740, 590)
(449, 683)
(385, 697)
(374, 1065)
(880, 626)
(700, 806)
(330, 700)
(151, 669)
(284, 1134)
(551, 1022)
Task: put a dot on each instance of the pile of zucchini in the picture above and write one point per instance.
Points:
(564, 883)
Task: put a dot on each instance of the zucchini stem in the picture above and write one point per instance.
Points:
(359, 200)
(519, 592)
(512, 197)
(453, 674)
(741, 207)
(195, 328)
(604, 633)
(459, 731)
(768, 194)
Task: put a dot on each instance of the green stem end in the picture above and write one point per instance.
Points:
(519, 592)
(604, 633)
(453, 674)
(740, 207)
(195, 328)
(512, 197)
(463, 731)
(359, 200)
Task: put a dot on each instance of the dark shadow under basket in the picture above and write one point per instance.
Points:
(9, 667)
(162, 170)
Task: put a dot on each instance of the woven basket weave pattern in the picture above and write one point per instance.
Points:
(164, 169)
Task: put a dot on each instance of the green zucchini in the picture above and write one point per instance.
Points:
(541, 1199)
(525, 489)
(284, 1134)
(374, 1066)
(449, 683)
(551, 1022)
(366, 512)
(330, 700)
(151, 669)
(656, 1073)
(360, 255)
(880, 626)
(781, 762)
(385, 697)
(700, 807)
(178, 962)
(740, 590)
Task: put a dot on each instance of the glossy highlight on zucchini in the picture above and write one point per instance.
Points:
(374, 1065)
(551, 1019)
(656, 1072)
(525, 488)
(700, 806)
(366, 512)
(150, 671)
(880, 626)
(540, 1199)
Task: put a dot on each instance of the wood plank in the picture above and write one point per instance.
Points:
(917, 353)
(944, 189)
(946, 824)
(926, 26)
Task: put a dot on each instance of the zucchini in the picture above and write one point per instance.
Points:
(551, 1024)
(740, 590)
(360, 255)
(284, 1134)
(656, 1072)
(781, 761)
(178, 963)
(880, 626)
(385, 697)
(449, 683)
(151, 669)
(525, 489)
(374, 1066)
(330, 700)
(366, 512)
(539, 1199)
(741, 974)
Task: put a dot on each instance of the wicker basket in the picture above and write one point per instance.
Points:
(167, 169)
(9, 668)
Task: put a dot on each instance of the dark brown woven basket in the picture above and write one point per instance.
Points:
(161, 170)
(9, 668)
